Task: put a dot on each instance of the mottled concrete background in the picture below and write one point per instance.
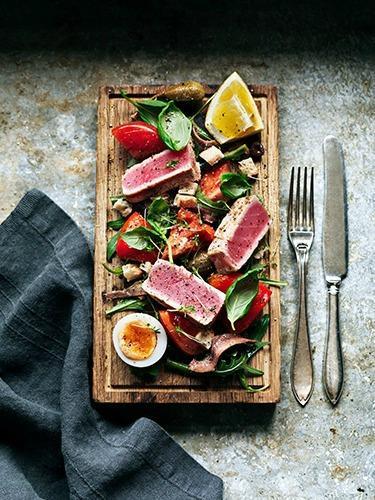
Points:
(52, 62)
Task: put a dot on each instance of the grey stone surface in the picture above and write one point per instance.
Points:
(326, 86)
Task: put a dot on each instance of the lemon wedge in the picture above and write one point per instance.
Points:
(232, 113)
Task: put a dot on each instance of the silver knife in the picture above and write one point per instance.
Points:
(335, 262)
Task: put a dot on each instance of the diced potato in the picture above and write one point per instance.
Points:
(131, 272)
(123, 207)
(189, 188)
(146, 267)
(185, 201)
(211, 155)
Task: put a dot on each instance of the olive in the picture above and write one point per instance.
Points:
(256, 150)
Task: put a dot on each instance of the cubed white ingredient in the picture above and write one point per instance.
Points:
(131, 272)
(123, 207)
(185, 201)
(211, 155)
(247, 167)
(189, 188)
(146, 267)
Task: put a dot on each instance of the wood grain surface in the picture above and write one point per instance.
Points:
(113, 381)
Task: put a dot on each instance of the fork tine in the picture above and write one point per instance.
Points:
(312, 199)
(297, 215)
(304, 199)
(291, 202)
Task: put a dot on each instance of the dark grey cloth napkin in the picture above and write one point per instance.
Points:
(53, 444)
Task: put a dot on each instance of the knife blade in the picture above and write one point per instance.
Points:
(335, 261)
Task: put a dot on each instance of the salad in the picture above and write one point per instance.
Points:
(189, 235)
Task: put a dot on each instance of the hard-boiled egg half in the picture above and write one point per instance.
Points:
(139, 340)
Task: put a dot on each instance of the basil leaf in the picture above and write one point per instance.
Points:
(116, 224)
(150, 372)
(148, 109)
(234, 185)
(159, 216)
(240, 296)
(218, 207)
(174, 127)
(132, 161)
(125, 305)
(157, 207)
(259, 328)
(141, 238)
(111, 245)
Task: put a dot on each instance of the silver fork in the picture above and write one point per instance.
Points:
(301, 236)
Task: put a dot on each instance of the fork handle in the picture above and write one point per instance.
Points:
(302, 366)
(333, 365)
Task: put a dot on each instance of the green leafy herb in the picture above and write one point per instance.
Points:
(132, 161)
(111, 245)
(249, 388)
(241, 294)
(116, 197)
(116, 224)
(183, 310)
(161, 219)
(150, 372)
(235, 154)
(235, 363)
(259, 328)
(201, 132)
(172, 163)
(114, 270)
(174, 127)
(217, 207)
(234, 185)
(141, 238)
(126, 305)
(157, 207)
(148, 109)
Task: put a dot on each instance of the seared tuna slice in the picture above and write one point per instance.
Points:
(220, 344)
(177, 288)
(160, 173)
(239, 234)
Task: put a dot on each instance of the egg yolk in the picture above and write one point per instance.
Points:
(138, 340)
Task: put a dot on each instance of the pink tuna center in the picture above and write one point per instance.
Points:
(246, 236)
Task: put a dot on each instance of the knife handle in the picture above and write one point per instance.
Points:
(301, 374)
(333, 366)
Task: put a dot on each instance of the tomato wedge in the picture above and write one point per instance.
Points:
(205, 232)
(140, 139)
(173, 322)
(211, 181)
(223, 282)
(124, 251)
(184, 240)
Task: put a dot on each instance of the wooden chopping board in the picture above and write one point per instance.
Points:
(113, 381)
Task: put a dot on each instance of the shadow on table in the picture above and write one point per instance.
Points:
(200, 417)
(199, 26)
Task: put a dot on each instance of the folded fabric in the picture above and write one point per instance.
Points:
(53, 443)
